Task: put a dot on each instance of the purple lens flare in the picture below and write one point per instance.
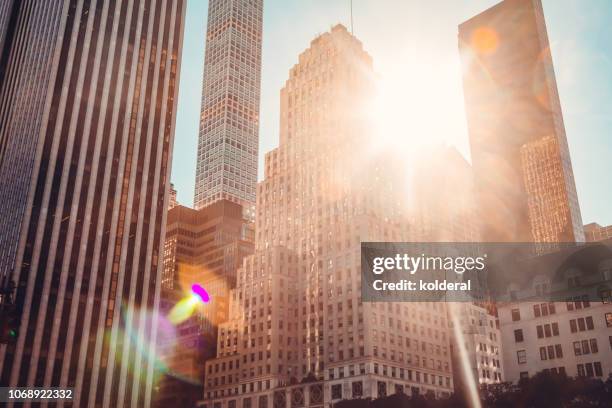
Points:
(200, 292)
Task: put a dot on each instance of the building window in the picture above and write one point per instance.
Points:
(382, 389)
(336, 391)
(542, 353)
(518, 335)
(524, 375)
(581, 324)
(594, 348)
(609, 319)
(516, 315)
(521, 356)
(589, 369)
(543, 309)
(598, 371)
(357, 389)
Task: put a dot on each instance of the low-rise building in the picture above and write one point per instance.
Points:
(572, 337)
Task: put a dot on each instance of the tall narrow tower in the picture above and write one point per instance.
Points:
(88, 103)
(229, 118)
(524, 178)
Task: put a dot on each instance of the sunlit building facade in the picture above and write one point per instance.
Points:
(442, 205)
(227, 153)
(546, 197)
(595, 232)
(570, 337)
(206, 247)
(476, 345)
(172, 201)
(298, 332)
(89, 107)
(515, 123)
(443, 210)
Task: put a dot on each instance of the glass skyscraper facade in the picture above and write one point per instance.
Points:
(229, 120)
(524, 179)
(26, 59)
(88, 98)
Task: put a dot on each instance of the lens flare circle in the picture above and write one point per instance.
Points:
(182, 310)
(200, 292)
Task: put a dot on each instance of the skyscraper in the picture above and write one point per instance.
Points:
(229, 119)
(524, 179)
(298, 329)
(21, 109)
(206, 247)
(89, 101)
(442, 191)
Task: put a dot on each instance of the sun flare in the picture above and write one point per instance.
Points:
(418, 103)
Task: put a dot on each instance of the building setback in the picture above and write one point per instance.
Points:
(93, 144)
(298, 330)
(229, 118)
(524, 179)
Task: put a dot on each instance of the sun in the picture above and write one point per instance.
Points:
(418, 103)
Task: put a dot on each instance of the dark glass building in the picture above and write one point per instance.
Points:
(87, 110)
(524, 179)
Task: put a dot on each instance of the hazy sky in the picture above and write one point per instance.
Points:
(415, 43)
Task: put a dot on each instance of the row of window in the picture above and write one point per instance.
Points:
(593, 369)
(552, 329)
(589, 346)
(551, 352)
(581, 347)
(545, 309)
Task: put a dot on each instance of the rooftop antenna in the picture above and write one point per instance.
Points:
(352, 17)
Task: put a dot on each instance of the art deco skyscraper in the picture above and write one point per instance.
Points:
(88, 105)
(296, 313)
(524, 178)
(229, 119)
